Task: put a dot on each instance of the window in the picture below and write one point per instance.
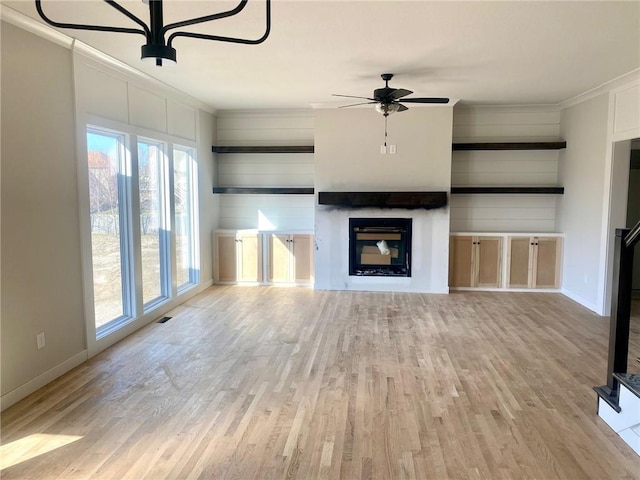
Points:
(109, 242)
(138, 188)
(185, 220)
(152, 193)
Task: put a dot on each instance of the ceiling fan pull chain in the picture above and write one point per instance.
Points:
(385, 130)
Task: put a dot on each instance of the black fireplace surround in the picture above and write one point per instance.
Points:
(380, 247)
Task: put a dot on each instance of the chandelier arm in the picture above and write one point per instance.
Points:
(226, 39)
(87, 27)
(130, 15)
(206, 18)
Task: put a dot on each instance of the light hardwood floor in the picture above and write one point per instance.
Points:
(271, 383)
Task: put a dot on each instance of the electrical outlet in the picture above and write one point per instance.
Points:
(383, 149)
(40, 340)
(392, 149)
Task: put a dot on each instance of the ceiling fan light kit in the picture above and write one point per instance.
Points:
(387, 108)
(157, 49)
(387, 101)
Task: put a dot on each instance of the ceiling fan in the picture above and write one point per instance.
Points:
(387, 99)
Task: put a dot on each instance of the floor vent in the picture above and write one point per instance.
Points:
(164, 319)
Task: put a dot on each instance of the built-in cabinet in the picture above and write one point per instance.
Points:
(481, 261)
(239, 257)
(273, 258)
(289, 258)
(475, 261)
(534, 262)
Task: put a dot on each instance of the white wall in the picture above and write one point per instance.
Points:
(347, 158)
(209, 205)
(500, 212)
(581, 172)
(41, 271)
(265, 211)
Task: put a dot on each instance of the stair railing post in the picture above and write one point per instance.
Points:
(620, 309)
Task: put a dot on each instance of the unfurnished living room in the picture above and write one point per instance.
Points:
(269, 239)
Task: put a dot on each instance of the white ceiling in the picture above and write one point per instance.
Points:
(498, 53)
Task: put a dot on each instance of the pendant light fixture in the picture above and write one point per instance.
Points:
(156, 47)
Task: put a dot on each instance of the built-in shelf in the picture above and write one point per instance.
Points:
(265, 190)
(512, 190)
(455, 147)
(410, 200)
(265, 149)
(509, 146)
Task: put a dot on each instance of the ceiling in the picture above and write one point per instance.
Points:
(483, 53)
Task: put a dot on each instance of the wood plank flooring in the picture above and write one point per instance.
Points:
(291, 383)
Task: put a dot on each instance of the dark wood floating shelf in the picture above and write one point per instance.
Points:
(265, 149)
(527, 190)
(455, 147)
(411, 200)
(266, 190)
(509, 146)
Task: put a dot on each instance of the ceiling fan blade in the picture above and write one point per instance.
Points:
(402, 108)
(352, 96)
(355, 104)
(399, 93)
(426, 100)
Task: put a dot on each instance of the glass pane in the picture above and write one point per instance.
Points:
(150, 189)
(104, 162)
(183, 194)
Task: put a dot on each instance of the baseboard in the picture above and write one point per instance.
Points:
(40, 381)
(50, 375)
(581, 300)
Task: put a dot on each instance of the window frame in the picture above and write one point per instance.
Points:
(138, 313)
(193, 209)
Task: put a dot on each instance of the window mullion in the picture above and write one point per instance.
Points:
(170, 237)
(166, 225)
(194, 274)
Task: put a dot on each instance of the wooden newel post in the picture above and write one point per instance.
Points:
(620, 308)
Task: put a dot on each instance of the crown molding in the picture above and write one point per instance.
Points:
(523, 108)
(266, 112)
(631, 77)
(76, 46)
(27, 23)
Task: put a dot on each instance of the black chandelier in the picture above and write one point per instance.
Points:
(156, 47)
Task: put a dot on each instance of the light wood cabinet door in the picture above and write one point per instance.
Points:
(290, 258)
(239, 257)
(461, 261)
(250, 257)
(487, 262)
(534, 262)
(302, 258)
(227, 258)
(278, 259)
(520, 262)
(475, 261)
(547, 262)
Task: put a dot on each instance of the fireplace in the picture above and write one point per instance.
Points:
(380, 247)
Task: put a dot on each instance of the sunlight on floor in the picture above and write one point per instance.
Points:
(31, 446)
